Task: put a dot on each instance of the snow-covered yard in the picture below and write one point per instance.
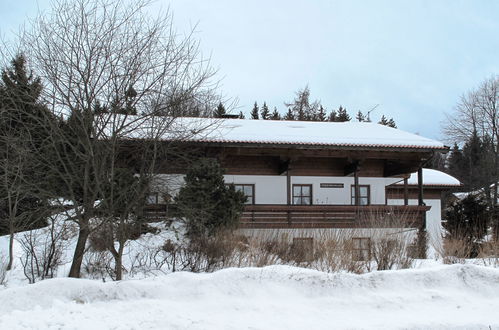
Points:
(275, 297)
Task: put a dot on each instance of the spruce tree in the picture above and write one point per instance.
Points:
(275, 115)
(241, 115)
(383, 121)
(254, 112)
(265, 113)
(206, 202)
(219, 111)
(360, 116)
(289, 115)
(467, 220)
(321, 115)
(332, 116)
(342, 115)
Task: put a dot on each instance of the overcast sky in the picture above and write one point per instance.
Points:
(413, 58)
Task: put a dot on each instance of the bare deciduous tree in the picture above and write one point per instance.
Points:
(108, 69)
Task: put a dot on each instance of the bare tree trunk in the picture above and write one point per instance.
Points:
(84, 232)
(11, 251)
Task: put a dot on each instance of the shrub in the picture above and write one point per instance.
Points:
(467, 219)
(206, 202)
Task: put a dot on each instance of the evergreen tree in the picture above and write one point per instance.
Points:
(289, 115)
(456, 162)
(333, 116)
(265, 113)
(275, 115)
(387, 122)
(383, 121)
(360, 116)
(241, 115)
(321, 115)
(342, 115)
(391, 123)
(254, 112)
(23, 136)
(219, 111)
(467, 219)
(206, 202)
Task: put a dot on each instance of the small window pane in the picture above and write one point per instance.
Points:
(248, 190)
(305, 190)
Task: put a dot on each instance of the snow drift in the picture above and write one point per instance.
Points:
(275, 297)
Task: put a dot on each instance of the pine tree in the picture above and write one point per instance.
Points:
(360, 116)
(241, 115)
(321, 115)
(468, 220)
(206, 202)
(332, 116)
(275, 115)
(265, 113)
(391, 123)
(23, 136)
(219, 111)
(342, 115)
(387, 122)
(383, 121)
(289, 115)
(254, 112)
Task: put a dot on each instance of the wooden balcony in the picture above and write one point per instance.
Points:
(316, 216)
(333, 216)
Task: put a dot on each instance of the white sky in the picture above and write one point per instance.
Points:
(413, 58)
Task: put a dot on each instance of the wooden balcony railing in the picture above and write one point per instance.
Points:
(333, 216)
(316, 216)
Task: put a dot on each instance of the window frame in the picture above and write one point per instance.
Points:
(352, 194)
(302, 196)
(360, 253)
(252, 185)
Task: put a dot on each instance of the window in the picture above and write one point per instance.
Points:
(364, 195)
(248, 191)
(302, 194)
(152, 198)
(361, 249)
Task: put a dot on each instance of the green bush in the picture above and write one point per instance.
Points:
(206, 202)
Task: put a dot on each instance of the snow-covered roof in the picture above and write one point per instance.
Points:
(242, 131)
(433, 178)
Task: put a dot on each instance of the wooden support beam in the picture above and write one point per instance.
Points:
(352, 167)
(283, 166)
(356, 187)
(420, 187)
(406, 192)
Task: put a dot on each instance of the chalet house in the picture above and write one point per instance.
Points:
(309, 175)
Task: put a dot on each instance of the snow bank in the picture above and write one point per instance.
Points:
(276, 297)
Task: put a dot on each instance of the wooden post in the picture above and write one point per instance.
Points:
(420, 187)
(356, 185)
(406, 192)
(288, 193)
(422, 240)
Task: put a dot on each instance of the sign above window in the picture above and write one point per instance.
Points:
(332, 185)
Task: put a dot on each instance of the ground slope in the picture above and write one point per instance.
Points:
(276, 297)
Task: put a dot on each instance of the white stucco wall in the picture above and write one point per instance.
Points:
(342, 196)
(271, 189)
(433, 219)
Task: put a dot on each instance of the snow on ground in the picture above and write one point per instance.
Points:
(275, 297)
